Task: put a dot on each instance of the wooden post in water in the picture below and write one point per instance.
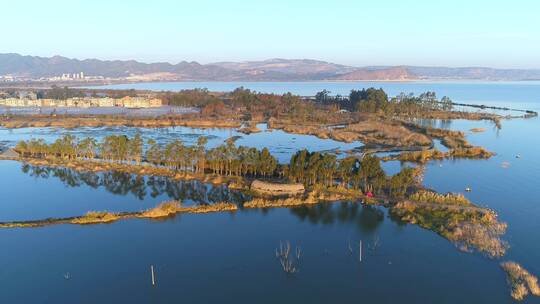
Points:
(153, 279)
(360, 251)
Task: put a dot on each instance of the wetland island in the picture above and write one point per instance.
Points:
(201, 152)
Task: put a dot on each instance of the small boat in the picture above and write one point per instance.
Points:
(518, 156)
(468, 189)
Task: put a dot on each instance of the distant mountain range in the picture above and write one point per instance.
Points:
(267, 70)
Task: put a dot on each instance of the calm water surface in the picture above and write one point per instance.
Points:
(80, 192)
(229, 257)
(281, 144)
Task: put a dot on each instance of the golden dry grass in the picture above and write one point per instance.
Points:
(482, 237)
(477, 130)
(166, 209)
(467, 226)
(386, 132)
(455, 142)
(472, 152)
(217, 207)
(96, 217)
(520, 280)
(438, 198)
(434, 154)
(275, 203)
(97, 121)
(418, 156)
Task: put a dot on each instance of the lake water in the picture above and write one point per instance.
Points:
(229, 257)
(81, 192)
(281, 144)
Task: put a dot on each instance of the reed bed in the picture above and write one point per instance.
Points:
(520, 280)
(276, 203)
(163, 210)
(40, 121)
(433, 154)
(434, 197)
(478, 130)
(455, 218)
(385, 132)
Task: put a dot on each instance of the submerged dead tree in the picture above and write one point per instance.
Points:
(289, 262)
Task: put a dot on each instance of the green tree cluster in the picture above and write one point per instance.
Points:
(189, 98)
(324, 169)
(309, 168)
(56, 92)
(372, 100)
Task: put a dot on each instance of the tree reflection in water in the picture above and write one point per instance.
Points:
(121, 183)
(434, 123)
(368, 218)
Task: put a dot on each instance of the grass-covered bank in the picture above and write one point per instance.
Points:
(168, 209)
(424, 156)
(455, 218)
(163, 210)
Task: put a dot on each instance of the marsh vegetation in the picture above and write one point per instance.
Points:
(455, 218)
(520, 280)
(163, 210)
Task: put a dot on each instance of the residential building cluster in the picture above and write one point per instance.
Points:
(75, 76)
(7, 78)
(72, 77)
(84, 102)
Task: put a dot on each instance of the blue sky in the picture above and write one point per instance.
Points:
(450, 33)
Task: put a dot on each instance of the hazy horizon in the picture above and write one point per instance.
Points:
(460, 34)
